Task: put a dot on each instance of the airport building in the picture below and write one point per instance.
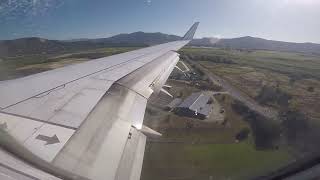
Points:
(197, 105)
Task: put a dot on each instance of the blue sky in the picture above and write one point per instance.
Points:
(287, 20)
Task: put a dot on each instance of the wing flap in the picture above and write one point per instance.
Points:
(28, 133)
(47, 142)
(102, 137)
(132, 158)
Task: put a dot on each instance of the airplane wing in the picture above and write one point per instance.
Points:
(83, 121)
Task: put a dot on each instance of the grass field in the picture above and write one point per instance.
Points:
(294, 64)
(237, 161)
(205, 150)
(211, 152)
(293, 73)
(202, 161)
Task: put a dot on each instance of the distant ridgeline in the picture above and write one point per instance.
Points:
(33, 45)
(252, 43)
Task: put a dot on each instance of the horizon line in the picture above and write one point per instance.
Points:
(93, 38)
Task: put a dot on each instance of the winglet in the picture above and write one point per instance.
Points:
(189, 35)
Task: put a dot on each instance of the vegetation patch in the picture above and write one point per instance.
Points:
(300, 132)
(266, 132)
(269, 95)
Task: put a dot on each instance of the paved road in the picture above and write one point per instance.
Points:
(235, 93)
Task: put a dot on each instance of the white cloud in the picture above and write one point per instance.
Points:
(148, 2)
(302, 2)
(219, 36)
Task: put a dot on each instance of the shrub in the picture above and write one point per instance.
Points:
(243, 134)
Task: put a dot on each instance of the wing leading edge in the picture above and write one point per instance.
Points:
(84, 121)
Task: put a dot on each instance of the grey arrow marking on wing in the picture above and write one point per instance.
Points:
(49, 140)
(3, 126)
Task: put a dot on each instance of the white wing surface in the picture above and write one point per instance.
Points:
(83, 121)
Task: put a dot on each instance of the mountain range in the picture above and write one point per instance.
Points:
(253, 43)
(34, 45)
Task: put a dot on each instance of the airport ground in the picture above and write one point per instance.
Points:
(195, 149)
(285, 84)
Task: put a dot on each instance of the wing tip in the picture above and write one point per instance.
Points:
(190, 33)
